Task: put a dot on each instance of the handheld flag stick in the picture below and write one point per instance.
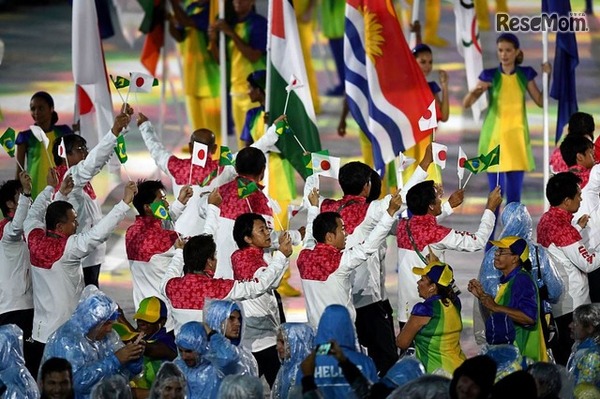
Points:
(20, 166)
(287, 98)
(468, 178)
(299, 143)
(190, 179)
(127, 96)
(497, 178)
(49, 159)
(249, 206)
(546, 126)
(278, 221)
(126, 173)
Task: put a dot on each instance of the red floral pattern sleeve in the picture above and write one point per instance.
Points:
(191, 290)
(555, 228)
(245, 262)
(180, 170)
(44, 251)
(318, 263)
(353, 209)
(233, 206)
(146, 238)
(424, 230)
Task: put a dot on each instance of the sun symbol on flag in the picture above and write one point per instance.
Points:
(139, 82)
(325, 165)
(60, 151)
(201, 154)
(373, 36)
(461, 162)
(442, 155)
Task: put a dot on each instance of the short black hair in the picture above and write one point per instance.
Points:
(324, 223)
(243, 227)
(146, 194)
(420, 196)
(250, 161)
(573, 145)
(48, 100)
(421, 48)
(582, 124)
(8, 190)
(353, 176)
(56, 365)
(57, 213)
(561, 186)
(375, 187)
(197, 251)
(71, 141)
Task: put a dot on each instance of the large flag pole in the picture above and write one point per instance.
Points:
(223, 75)
(546, 128)
(268, 91)
(412, 42)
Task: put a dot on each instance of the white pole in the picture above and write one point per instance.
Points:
(412, 41)
(223, 74)
(268, 90)
(163, 86)
(546, 163)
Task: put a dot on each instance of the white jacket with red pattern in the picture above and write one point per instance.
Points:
(56, 270)
(15, 274)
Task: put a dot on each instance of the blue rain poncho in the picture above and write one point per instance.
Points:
(92, 359)
(298, 342)
(517, 222)
(13, 373)
(216, 315)
(204, 379)
(168, 373)
(241, 387)
(113, 387)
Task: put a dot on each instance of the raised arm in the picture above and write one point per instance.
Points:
(157, 150)
(13, 231)
(313, 212)
(474, 94)
(36, 217)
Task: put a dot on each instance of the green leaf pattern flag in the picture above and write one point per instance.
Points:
(246, 187)
(483, 162)
(120, 82)
(121, 149)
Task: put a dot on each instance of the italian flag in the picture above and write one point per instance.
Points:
(285, 60)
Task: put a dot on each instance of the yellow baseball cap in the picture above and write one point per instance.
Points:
(151, 309)
(437, 272)
(517, 246)
(124, 332)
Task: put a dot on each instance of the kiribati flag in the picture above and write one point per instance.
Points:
(386, 91)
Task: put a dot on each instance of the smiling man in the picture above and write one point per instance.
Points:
(57, 379)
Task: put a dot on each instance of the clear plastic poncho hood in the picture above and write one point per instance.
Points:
(298, 341)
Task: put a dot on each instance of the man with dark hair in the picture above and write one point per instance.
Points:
(262, 315)
(82, 167)
(16, 296)
(179, 169)
(190, 277)
(578, 154)
(573, 259)
(326, 265)
(580, 125)
(148, 244)
(56, 379)
(422, 233)
(56, 252)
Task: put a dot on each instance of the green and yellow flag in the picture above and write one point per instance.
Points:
(120, 82)
(492, 158)
(208, 178)
(159, 211)
(246, 187)
(226, 157)
(281, 127)
(8, 141)
(121, 149)
(307, 160)
(482, 162)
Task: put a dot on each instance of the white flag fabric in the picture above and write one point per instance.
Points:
(199, 154)
(460, 167)
(440, 154)
(40, 135)
(62, 150)
(469, 47)
(94, 105)
(294, 83)
(431, 121)
(325, 165)
(403, 162)
(141, 82)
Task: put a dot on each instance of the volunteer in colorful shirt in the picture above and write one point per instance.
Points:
(435, 324)
(517, 296)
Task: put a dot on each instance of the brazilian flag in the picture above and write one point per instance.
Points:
(282, 127)
(475, 165)
(307, 160)
(121, 149)
(120, 82)
(492, 158)
(159, 211)
(226, 157)
(8, 141)
(246, 187)
(208, 178)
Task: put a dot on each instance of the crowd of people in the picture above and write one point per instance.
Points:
(209, 268)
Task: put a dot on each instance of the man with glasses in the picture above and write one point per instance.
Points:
(72, 158)
(516, 306)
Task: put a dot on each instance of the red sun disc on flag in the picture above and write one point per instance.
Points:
(325, 165)
(294, 82)
(139, 82)
(442, 155)
(461, 162)
(201, 154)
(294, 213)
(60, 151)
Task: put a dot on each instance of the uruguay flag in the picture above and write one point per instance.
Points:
(386, 91)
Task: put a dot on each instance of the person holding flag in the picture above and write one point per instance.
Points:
(247, 49)
(148, 244)
(75, 161)
(507, 85)
(30, 149)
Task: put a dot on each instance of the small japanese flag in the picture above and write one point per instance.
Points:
(429, 119)
(325, 165)
(199, 154)
(460, 167)
(141, 82)
(403, 162)
(440, 154)
(39, 134)
(62, 150)
(295, 83)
